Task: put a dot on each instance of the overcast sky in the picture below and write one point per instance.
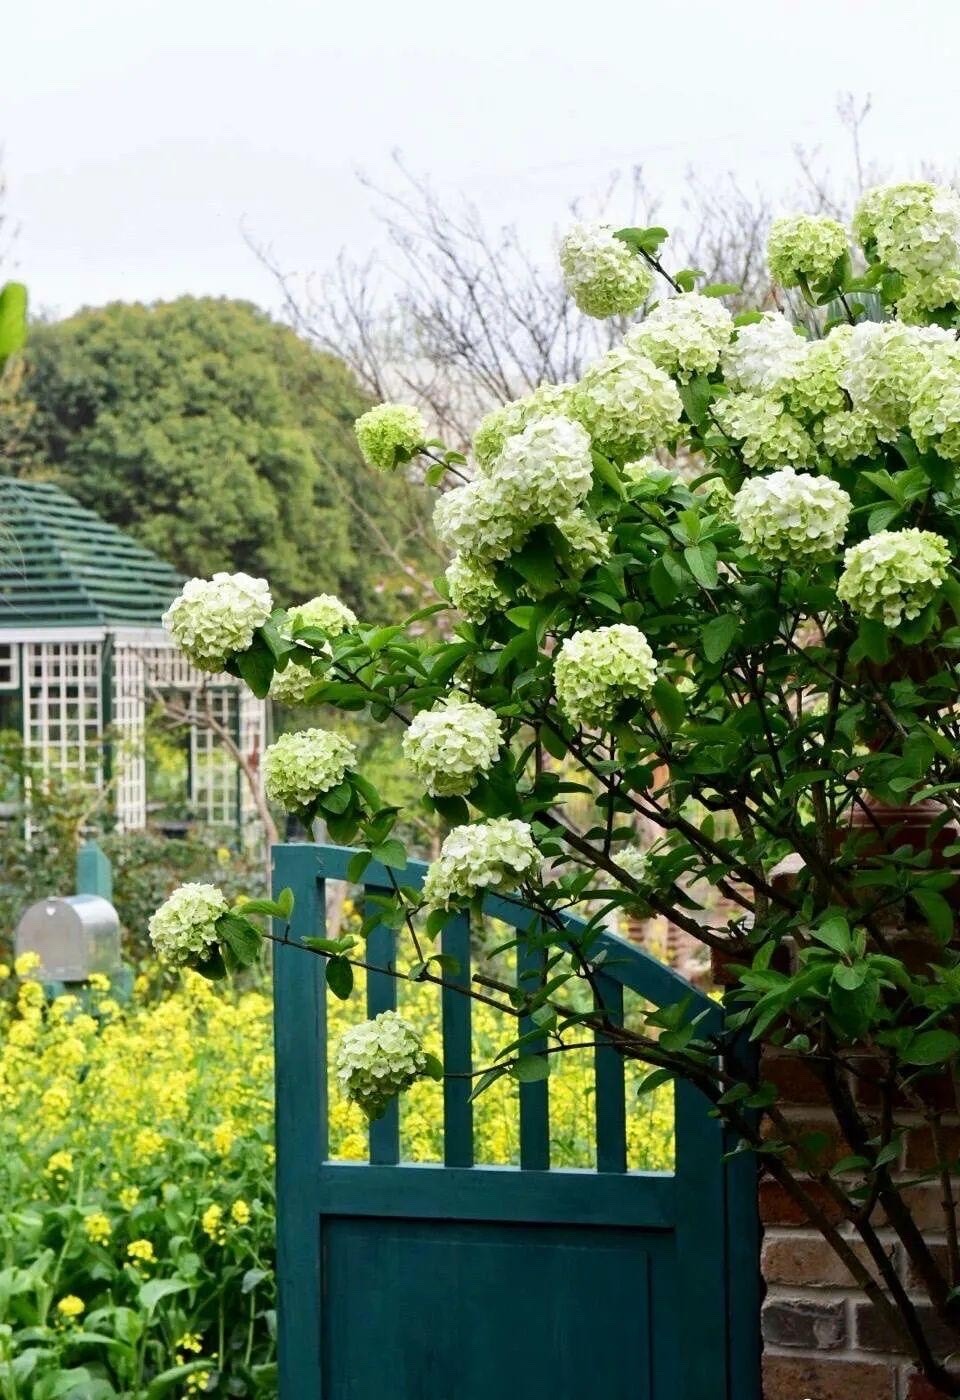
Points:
(140, 137)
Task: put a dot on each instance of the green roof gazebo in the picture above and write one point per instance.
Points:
(82, 650)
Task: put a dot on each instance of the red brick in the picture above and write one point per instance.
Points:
(873, 1333)
(797, 1082)
(802, 1322)
(792, 1258)
(923, 1203)
(940, 1257)
(820, 1378)
(920, 1156)
(920, 1389)
(778, 1208)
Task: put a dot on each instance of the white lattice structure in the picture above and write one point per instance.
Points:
(83, 658)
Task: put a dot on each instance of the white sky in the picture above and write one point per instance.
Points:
(140, 136)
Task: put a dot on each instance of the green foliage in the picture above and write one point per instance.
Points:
(220, 439)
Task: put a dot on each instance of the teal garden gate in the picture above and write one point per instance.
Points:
(429, 1282)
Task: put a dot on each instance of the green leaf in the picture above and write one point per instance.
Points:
(931, 1048)
(529, 1069)
(242, 937)
(834, 933)
(937, 912)
(256, 665)
(696, 397)
(653, 1081)
(151, 1293)
(161, 1385)
(433, 1068)
(669, 703)
(701, 560)
(392, 853)
(647, 240)
(340, 977)
(357, 866)
(607, 473)
(717, 636)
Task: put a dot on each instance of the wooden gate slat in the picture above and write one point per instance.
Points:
(611, 1128)
(457, 1048)
(535, 1097)
(382, 996)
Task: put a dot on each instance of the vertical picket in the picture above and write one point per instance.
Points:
(611, 1127)
(301, 1108)
(535, 1097)
(457, 1049)
(382, 996)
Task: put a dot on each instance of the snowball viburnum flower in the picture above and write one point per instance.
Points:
(292, 685)
(762, 355)
(767, 433)
(376, 1060)
(473, 588)
(502, 423)
(390, 435)
(451, 745)
(683, 335)
(602, 274)
(804, 246)
(493, 855)
(885, 364)
(935, 410)
(894, 574)
(214, 619)
(184, 928)
(473, 521)
(589, 542)
(301, 767)
(912, 227)
(595, 671)
(790, 515)
(544, 471)
(627, 405)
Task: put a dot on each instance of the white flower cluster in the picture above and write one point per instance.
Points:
(491, 856)
(813, 386)
(378, 1059)
(214, 619)
(935, 407)
(604, 276)
(635, 862)
(627, 405)
(390, 435)
(473, 588)
(684, 335)
(885, 363)
(301, 767)
(292, 685)
(595, 671)
(804, 246)
(762, 355)
(915, 229)
(185, 925)
(589, 542)
(789, 515)
(894, 574)
(543, 472)
(502, 423)
(449, 746)
(767, 433)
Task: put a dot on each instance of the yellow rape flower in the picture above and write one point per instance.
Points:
(212, 1224)
(97, 1228)
(240, 1213)
(59, 1164)
(26, 963)
(71, 1306)
(190, 1342)
(98, 982)
(4, 971)
(129, 1197)
(222, 1138)
(141, 1252)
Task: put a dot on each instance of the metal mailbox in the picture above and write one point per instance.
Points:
(73, 936)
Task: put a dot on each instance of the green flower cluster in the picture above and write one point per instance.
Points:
(683, 335)
(492, 432)
(627, 405)
(787, 516)
(490, 856)
(473, 588)
(185, 925)
(291, 686)
(376, 1060)
(390, 434)
(804, 246)
(450, 745)
(604, 276)
(894, 574)
(914, 228)
(214, 619)
(301, 767)
(595, 671)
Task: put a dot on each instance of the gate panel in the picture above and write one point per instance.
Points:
(415, 1282)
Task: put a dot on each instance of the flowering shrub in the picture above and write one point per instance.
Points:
(747, 645)
(213, 620)
(449, 746)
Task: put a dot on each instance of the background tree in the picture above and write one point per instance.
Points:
(217, 436)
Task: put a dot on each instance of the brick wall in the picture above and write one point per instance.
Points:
(820, 1337)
